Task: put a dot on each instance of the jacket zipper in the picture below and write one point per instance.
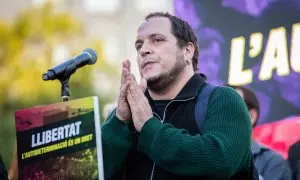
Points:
(162, 121)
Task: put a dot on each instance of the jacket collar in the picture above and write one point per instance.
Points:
(257, 148)
(190, 89)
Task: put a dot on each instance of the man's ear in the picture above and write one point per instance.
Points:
(253, 115)
(189, 51)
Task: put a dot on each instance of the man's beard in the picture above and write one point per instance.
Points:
(161, 82)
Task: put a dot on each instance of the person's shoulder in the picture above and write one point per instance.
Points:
(274, 159)
(271, 156)
(225, 92)
(273, 163)
(225, 89)
(296, 145)
(293, 152)
(227, 96)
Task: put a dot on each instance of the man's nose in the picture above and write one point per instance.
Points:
(145, 50)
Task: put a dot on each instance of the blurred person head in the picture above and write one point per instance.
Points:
(167, 49)
(251, 101)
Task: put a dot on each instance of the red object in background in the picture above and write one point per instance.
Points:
(279, 135)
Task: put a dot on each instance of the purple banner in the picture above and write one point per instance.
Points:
(255, 43)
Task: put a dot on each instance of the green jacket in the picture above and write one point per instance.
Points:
(223, 148)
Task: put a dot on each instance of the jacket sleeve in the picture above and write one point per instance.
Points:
(222, 149)
(116, 142)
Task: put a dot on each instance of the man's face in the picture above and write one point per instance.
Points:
(159, 58)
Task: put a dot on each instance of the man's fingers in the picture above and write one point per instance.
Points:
(133, 79)
(137, 89)
(123, 90)
(143, 85)
(124, 75)
(126, 64)
(130, 99)
(136, 92)
(125, 70)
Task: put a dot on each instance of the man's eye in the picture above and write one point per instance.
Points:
(157, 40)
(138, 46)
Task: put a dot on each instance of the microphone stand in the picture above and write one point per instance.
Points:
(65, 88)
(64, 80)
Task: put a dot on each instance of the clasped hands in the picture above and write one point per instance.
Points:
(132, 103)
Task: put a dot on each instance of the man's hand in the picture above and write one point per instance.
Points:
(139, 105)
(123, 110)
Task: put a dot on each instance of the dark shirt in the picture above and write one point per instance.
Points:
(159, 107)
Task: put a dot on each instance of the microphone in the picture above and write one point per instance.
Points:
(88, 56)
